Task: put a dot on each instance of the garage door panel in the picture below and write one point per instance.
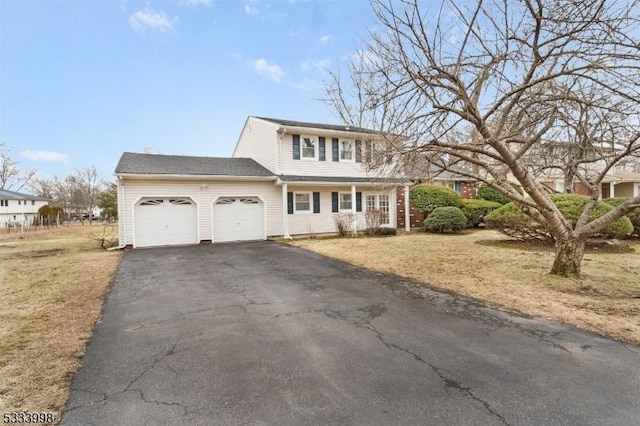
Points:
(238, 219)
(166, 221)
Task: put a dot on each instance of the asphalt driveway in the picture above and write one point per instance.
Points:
(263, 333)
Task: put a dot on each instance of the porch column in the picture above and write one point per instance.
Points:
(612, 189)
(353, 208)
(407, 208)
(285, 212)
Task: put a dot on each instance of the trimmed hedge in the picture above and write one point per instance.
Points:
(633, 215)
(445, 219)
(485, 192)
(475, 210)
(512, 221)
(428, 197)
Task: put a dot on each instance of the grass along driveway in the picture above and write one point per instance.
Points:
(483, 265)
(52, 285)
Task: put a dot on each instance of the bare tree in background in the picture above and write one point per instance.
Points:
(88, 185)
(520, 74)
(11, 177)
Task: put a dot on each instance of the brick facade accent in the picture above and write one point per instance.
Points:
(415, 216)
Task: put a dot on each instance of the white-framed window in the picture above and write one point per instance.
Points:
(345, 201)
(4, 203)
(379, 202)
(302, 202)
(309, 147)
(347, 150)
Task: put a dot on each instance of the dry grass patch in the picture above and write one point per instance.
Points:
(605, 300)
(52, 285)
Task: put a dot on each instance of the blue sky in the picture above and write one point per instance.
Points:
(83, 81)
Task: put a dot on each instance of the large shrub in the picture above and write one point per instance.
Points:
(485, 192)
(475, 210)
(512, 221)
(445, 219)
(427, 197)
(633, 215)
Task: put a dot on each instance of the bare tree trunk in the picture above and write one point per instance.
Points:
(569, 253)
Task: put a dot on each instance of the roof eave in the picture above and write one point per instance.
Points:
(171, 176)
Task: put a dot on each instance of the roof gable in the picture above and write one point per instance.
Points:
(156, 164)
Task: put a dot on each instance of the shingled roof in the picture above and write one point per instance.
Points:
(11, 195)
(319, 125)
(156, 164)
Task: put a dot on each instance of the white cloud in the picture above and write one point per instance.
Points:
(45, 156)
(270, 71)
(325, 39)
(251, 10)
(319, 66)
(196, 2)
(308, 85)
(147, 19)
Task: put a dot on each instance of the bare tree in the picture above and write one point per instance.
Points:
(88, 186)
(520, 74)
(11, 177)
(43, 187)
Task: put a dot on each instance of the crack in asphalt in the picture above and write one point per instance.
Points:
(470, 309)
(363, 317)
(185, 408)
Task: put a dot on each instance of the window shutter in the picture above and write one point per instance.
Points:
(321, 149)
(316, 202)
(358, 151)
(367, 151)
(358, 201)
(290, 202)
(296, 147)
(334, 202)
(335, 150)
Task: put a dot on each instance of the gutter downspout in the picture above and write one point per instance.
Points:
(285, 212)
(121, 217)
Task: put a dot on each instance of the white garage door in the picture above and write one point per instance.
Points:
(238, 219)
(165, 221)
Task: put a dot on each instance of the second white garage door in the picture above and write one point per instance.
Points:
(238, 219)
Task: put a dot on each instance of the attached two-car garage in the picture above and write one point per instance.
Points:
(175, 220)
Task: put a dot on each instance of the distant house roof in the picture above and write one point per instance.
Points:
(11, 195)
(156, 164)
(616, 176)
(339, 128)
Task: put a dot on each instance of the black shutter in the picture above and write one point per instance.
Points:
(296, 147)
(290, 202)
(316, 202)
(334, 202)
(358, 201)
(367, 151)
(321, 149)
(335, 151)
(358, 151)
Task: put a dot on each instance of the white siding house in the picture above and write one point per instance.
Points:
(17, 208)
(285, 178)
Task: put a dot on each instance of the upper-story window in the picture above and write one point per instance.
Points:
(309, 147)
(4, 203)
(347, 150)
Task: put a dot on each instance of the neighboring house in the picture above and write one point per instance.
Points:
(17, 208)
(285, 178)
